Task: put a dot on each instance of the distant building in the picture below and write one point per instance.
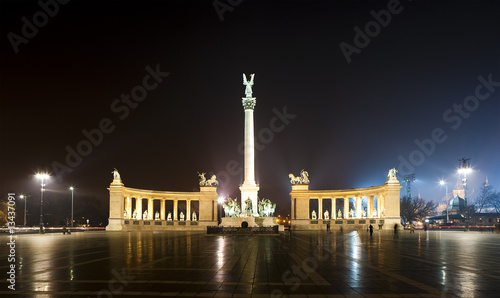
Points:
(455, 213)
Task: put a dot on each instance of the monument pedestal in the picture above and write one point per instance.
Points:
(252, 221)
(236, 221)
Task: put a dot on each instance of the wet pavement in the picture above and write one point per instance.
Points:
(303, 264)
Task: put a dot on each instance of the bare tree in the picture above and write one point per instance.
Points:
(415, 209)
(485, 199)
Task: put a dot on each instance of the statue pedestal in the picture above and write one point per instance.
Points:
(236, 221)
(252, 221)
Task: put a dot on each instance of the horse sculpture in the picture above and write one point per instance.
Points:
(302, 179)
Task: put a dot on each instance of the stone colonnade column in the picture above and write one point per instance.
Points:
(175, 209)
(128, 207)
(162, 209)
(359, 206)
(150, 209)
(320, 208)
(188, 209)
(334, 208)
(369, 204)
(138, 207)
(346, 207)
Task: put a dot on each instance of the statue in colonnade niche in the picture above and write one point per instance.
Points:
(157, 215)
(339, 214)
(374, 213)
(327, 215)
(363, 213)
(313, 214)
(134, 214)
(194, 218)
(182, 215)
(145, 215)
(169, 216)
(351, 213)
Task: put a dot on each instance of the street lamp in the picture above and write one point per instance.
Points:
(42, 177)
(72, 196)
(25, 198)
(464, 168)
(443, 182)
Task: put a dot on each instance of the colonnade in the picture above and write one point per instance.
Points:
(372, 211)
(382, 206)
(126, 204)
(129, 211)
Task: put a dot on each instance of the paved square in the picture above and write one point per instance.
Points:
(303, 264)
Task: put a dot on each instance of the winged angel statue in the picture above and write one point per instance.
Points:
(249, 84)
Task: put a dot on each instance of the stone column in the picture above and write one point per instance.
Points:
(359, 206)
(369, 204)
(162, 209)
(175, 210)
(346, 207)
(334, 209)
(128, 207)
(188, 209)
(150, 209)
(320, 208)
(138, 207)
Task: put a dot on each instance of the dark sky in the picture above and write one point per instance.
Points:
(353, 121)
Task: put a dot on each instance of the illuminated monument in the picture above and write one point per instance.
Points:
(141, 209)
(249, 189)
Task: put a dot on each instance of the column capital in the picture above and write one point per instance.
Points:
(248, 103)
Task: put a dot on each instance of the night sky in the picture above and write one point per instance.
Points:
(413, 79)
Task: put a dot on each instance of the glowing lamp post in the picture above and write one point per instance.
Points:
(443, 183)
(464, 168)
(25, 198)
(42, 177)
(72, 196)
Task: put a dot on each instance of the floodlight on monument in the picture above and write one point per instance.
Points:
(42, 177)
(220, 200)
